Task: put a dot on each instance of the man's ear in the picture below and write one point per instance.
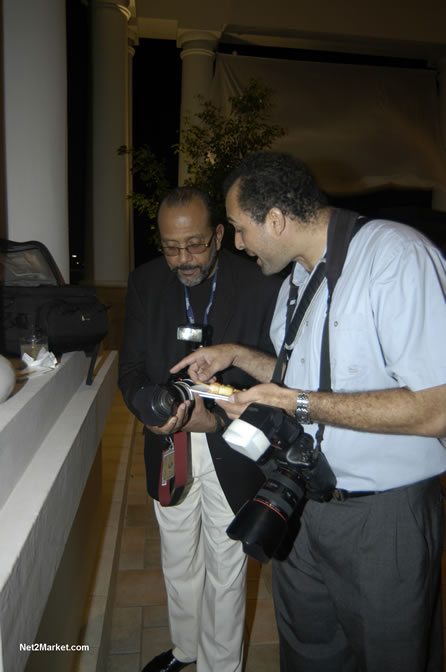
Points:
(276, 222)
(219, 232)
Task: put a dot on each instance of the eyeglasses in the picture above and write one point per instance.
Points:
(193, 248)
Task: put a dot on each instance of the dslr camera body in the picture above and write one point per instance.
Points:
(294, 470)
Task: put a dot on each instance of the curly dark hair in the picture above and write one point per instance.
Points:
(274, 180)
(184, 195)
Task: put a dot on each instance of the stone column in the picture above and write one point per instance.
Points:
(439, 195)
(35, 117)
(197, 55)
(110, 119)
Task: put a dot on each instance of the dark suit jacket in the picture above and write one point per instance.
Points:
(241, 313)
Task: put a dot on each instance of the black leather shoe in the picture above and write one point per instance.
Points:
(165, 662)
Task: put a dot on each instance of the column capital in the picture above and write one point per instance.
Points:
(121, 5)
(205, 40)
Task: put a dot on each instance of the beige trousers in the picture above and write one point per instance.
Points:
(204, 572)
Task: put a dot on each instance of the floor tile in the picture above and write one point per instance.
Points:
(138, 484)
(140, 587)
(124, 663)
(126, 630)
(267, 576)
(154, 641)
(138, 515)
(152, 553)
(133, 539)
(137, 498)
(263, 658)
(261, 622)
(138, 468)
(152, 533)
(155, 616)
(254, 569)
(132, 561)
(256, 589)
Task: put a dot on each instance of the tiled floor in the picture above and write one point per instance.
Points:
(139, 628)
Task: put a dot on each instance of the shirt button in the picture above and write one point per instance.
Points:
(335, 323)
(302, 361)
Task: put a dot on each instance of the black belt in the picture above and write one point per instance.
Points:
(341, 495)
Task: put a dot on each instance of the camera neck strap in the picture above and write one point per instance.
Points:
(342, 227)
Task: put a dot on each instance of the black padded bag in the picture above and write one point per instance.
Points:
(35, 297)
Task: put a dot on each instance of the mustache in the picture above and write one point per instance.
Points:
(186, 267)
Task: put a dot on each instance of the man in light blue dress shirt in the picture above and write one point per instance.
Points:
(360, 589)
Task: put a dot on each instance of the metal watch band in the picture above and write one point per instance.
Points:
(302, 413)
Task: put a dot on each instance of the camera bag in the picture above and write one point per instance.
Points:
(34, 297)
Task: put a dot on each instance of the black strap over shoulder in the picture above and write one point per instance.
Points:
(343, 225)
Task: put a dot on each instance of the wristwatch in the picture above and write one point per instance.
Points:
(302, 413)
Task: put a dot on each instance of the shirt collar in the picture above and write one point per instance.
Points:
(299, 275)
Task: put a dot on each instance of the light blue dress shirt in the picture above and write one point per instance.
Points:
(387, 330)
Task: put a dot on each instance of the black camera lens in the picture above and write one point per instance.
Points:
(167, 398)
(260, 529)
(262, 523)
(155, 404)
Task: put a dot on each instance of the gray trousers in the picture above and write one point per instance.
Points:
(360, 589)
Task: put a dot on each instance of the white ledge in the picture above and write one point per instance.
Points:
(27, 417)
(38, 514)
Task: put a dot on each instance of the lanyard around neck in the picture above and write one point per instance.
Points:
(189, 310)
(293, 321)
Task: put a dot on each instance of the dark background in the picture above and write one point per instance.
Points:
(156, 118)
(156, 112)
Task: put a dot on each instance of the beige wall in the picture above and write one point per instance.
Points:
(401, 22)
